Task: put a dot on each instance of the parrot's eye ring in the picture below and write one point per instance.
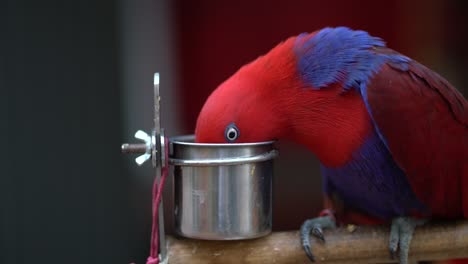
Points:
(231, 133)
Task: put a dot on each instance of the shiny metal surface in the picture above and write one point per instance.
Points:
(225, 161)
(225, 200)
(156, 157)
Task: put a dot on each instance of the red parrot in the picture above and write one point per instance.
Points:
(391, 135)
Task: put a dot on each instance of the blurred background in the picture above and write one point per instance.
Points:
(76, 82)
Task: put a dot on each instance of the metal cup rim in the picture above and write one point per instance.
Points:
(185, 140)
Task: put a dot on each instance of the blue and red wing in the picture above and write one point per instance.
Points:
(423, 120)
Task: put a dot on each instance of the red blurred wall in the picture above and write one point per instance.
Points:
(217, 37)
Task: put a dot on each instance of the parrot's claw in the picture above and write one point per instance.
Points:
(318, 233)
(308, 252)
(401, 234)
(315, 226)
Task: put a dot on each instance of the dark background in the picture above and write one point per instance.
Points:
(76, 80)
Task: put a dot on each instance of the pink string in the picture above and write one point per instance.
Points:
(157, 194)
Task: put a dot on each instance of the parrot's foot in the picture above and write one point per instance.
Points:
(315, 226)
(401, 234)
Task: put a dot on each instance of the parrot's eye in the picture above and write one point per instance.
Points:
(231, 133)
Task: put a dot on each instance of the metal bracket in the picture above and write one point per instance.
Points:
(153, 148)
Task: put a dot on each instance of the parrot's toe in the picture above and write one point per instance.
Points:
(308, 252)
(315, 226)
(318, 233)
(401, 234)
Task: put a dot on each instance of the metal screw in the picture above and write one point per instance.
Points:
(145, 148)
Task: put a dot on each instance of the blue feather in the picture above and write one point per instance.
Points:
(372, 182)
(342, 55)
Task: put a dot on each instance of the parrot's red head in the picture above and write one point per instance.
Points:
(245, 108)
(271, 99)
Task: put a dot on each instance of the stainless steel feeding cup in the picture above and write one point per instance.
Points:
(222, 191)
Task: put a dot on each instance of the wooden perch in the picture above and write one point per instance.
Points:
(367, 244)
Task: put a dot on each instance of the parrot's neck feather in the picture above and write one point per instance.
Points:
(332, 124)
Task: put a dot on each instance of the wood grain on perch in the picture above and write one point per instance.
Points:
(366, 244)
